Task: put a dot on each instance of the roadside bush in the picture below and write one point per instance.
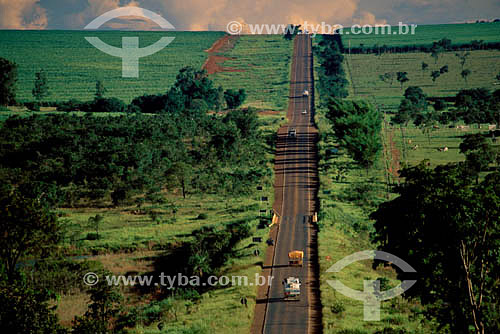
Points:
(202, 216)
(337, 307)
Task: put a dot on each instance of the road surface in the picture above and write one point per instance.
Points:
(295, 202)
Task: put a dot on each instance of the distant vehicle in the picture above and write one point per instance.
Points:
(295, 258)
(291, 286)
(292, 133)
(304, 112)
(270, 242)
(305, 93)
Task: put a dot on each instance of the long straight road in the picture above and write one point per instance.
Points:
(295, 202)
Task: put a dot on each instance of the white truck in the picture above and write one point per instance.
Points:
(291, 286)
(305, 93)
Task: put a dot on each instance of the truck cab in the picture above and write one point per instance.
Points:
(292, 133)
(291, 286)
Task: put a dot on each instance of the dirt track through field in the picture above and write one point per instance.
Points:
(215, 58)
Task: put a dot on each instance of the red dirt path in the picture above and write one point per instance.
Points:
(215, 59)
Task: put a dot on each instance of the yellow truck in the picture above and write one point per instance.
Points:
(296, 258)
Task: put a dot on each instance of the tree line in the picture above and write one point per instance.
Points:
(427, 48)
(472, 106)
(356, 124)
(192, 89)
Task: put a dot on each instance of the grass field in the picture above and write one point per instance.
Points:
(426, 34)
(363, 72)
(265, 64)
(73, 65)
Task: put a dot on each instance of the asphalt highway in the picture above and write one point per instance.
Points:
(295, 202)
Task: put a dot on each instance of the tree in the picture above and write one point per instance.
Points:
(465, 74)
(25, 310)
(194, 84)
(462, 58)
(443, 69)
(388, 77)
(291, 31)
(435, 52)
(402, 77)
(425, 66)
(435, 75)
(478, 153)
(234, 98)
(41, 89)
(473, 105)
(498, 76)
(8, 81)
(458, 274)
(181, 174)
(28, 228)
(100, 90)
(357, 126)
(105, 306)
(95, 222)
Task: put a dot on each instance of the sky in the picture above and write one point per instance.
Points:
(215, 14)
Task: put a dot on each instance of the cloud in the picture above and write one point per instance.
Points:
(367, 18)
(214, 15)
(22, 14)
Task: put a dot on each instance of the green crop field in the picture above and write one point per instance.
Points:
(364, 70)
(426, 34)
(265, 64)
(73, 65)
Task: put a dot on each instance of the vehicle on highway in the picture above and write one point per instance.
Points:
(291, 286)
(305, 93)
(304, 112)
(292, 133)
(296, 258)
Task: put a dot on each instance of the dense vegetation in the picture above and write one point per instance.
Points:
(68, 157)
(458, 274)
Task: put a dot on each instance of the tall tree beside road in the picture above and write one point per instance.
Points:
(357, 126)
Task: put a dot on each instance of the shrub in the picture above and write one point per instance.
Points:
(337, 307)
(108, 105)
(33, 106)
(202, 216)
(71, 105)
(92, 236)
